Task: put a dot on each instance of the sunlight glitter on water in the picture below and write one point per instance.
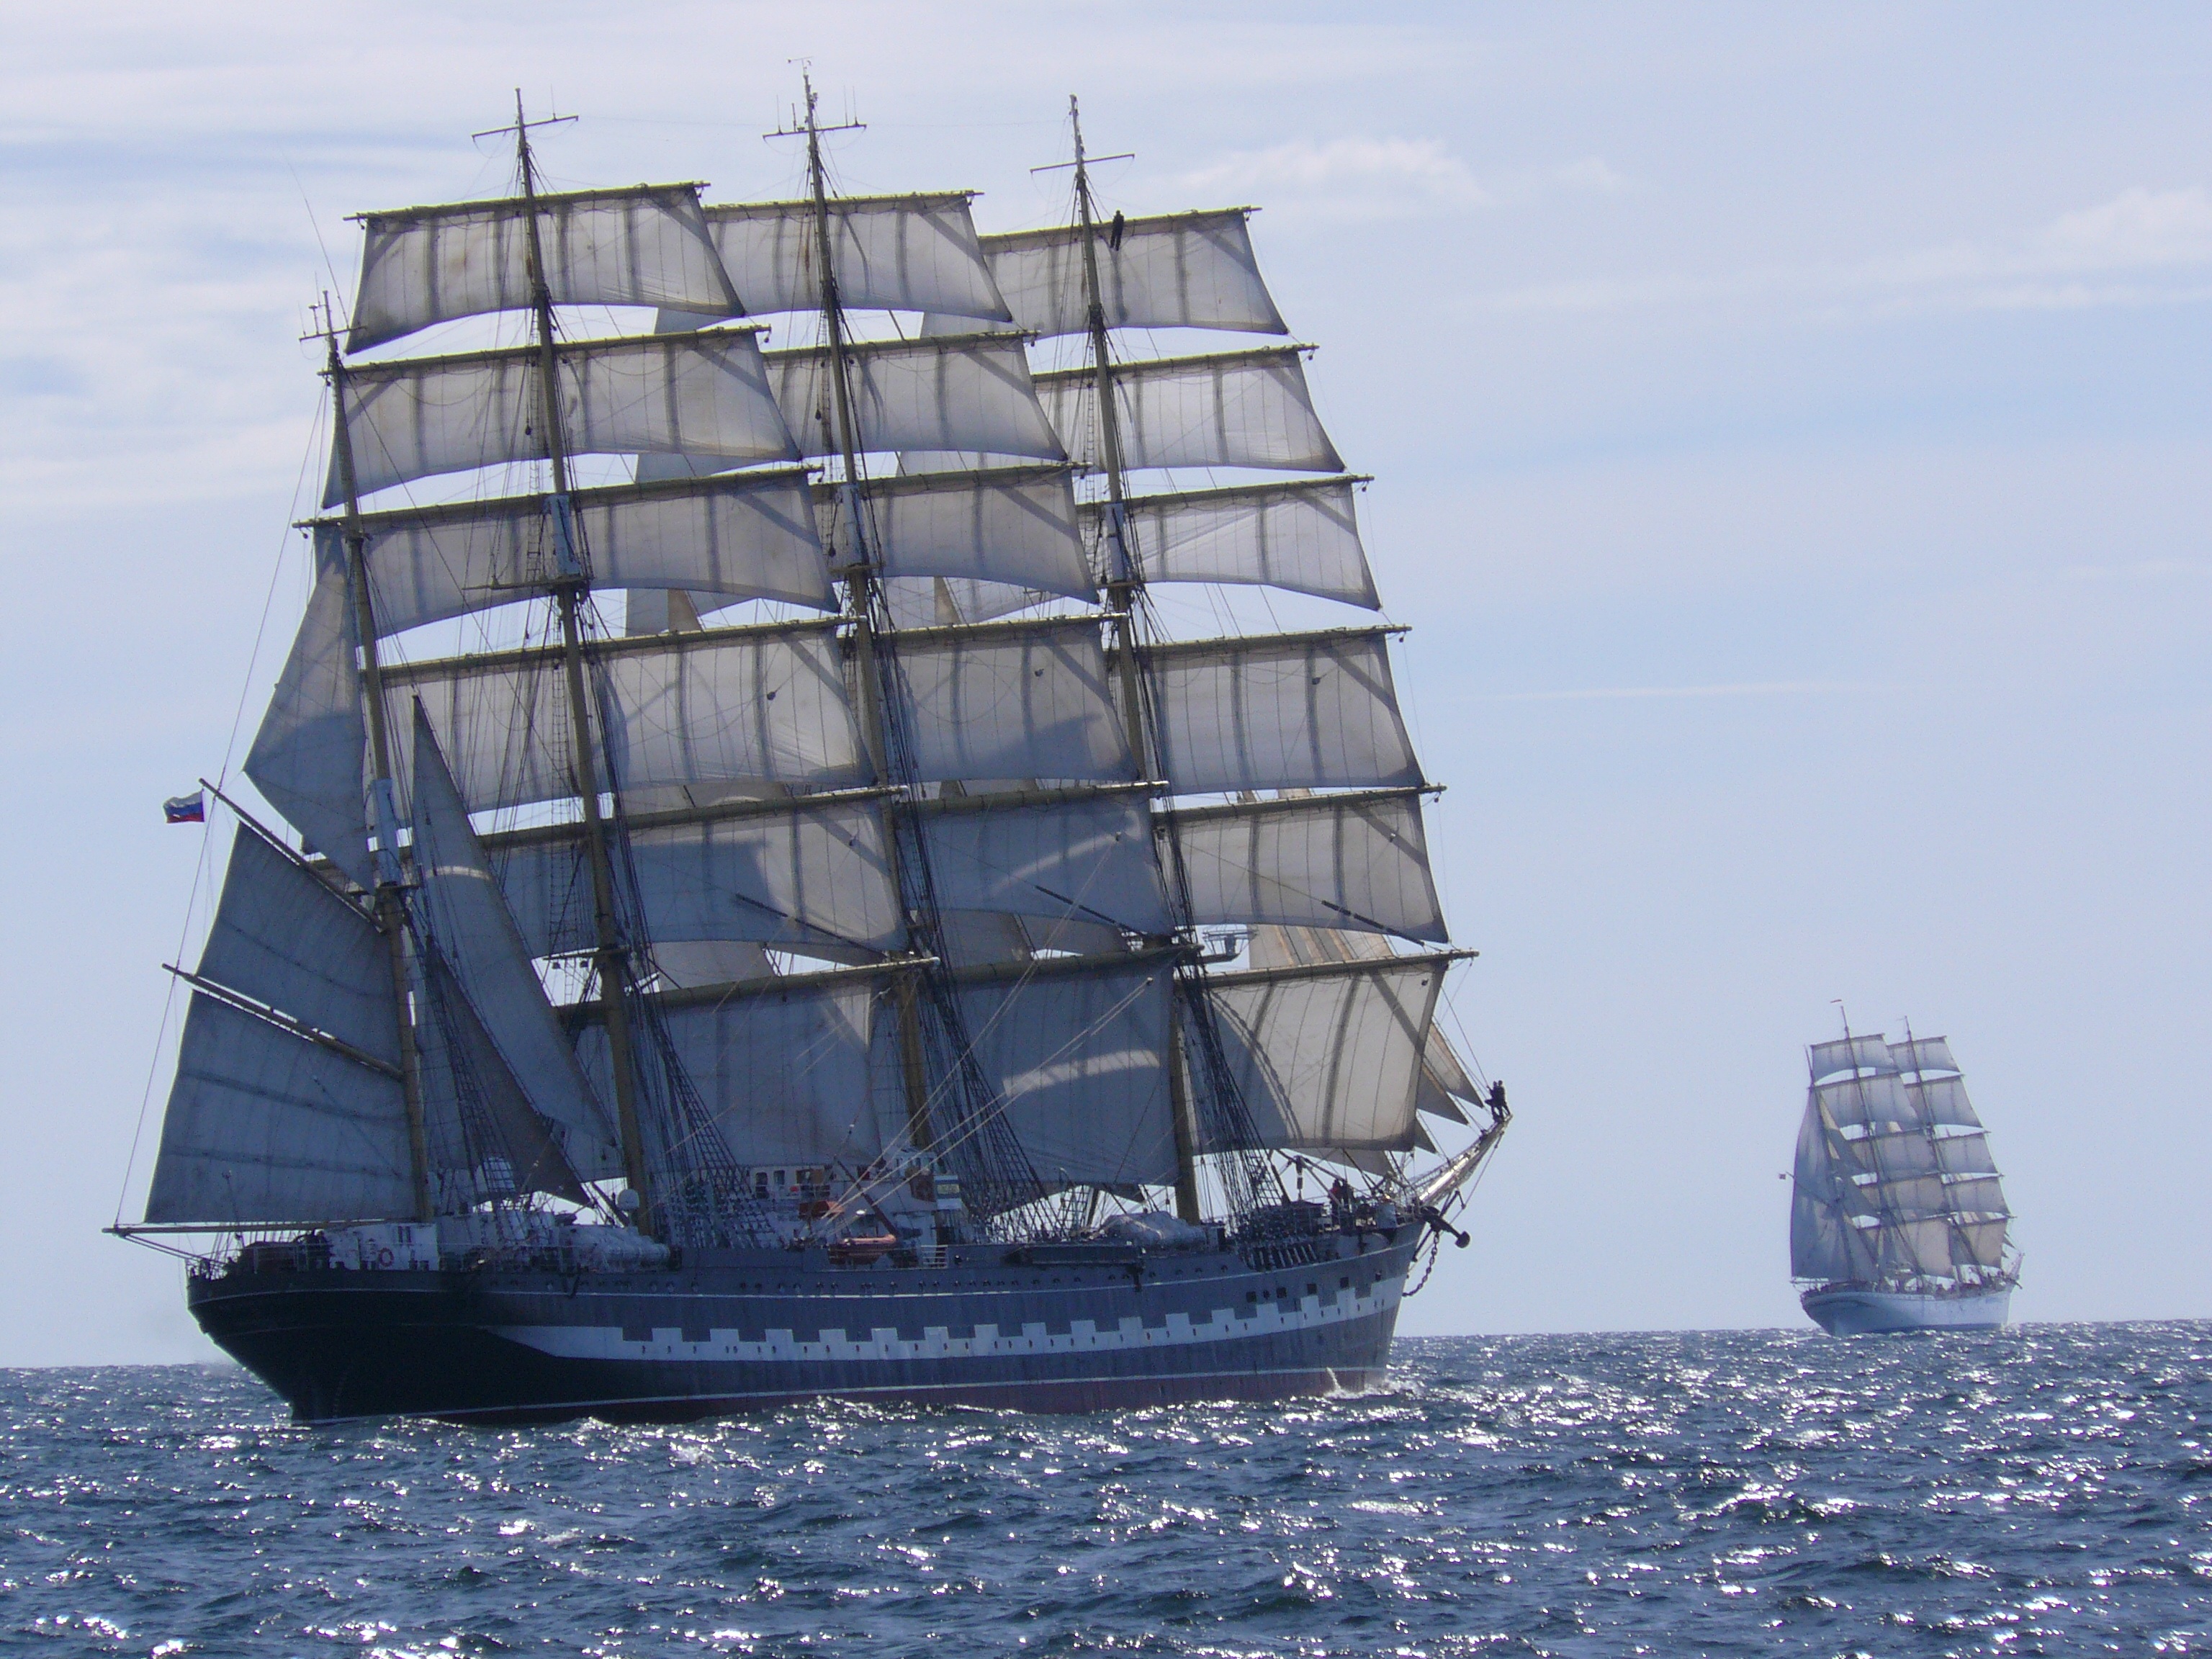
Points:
(2036, 1490)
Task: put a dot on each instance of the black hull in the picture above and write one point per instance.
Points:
(753, 1331)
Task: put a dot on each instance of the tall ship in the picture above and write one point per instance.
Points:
(1897, 1219)
(770, 908)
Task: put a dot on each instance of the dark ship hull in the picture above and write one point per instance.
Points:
(1068, 1327)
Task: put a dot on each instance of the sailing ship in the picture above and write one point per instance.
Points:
(927, 981)
(1897, 1219)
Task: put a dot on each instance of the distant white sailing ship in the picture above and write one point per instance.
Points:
(1898, 1221)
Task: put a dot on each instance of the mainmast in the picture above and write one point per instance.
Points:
(570, 585)
(391, 908)
(1124, 585)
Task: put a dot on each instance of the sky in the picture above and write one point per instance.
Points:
(1788, 427)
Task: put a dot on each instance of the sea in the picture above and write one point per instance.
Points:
(2041, 1490)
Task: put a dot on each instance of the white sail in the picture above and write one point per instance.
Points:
(1445, 1081)
(460, 907)
(1014, 526)
(1916, 1247)
(467, 1080)
(1301, 535)
(1178, 271)
(968, 393)
(784, 1070)
(792, 874)
(263, 1127)
(1823, 1244)
(1330, 1057)
(1353, 861)
(1979, 1244)
(1855, 1053)
(740, 536)
(1231, 408)
(1012, 700)
(1858, 1102)
(888, 253)
(1941, 1100)
(1079, 1059)
(1082, 857)
(688, 394)
(1976, 1195)
(1923, 1055)
(309, 755)
(283, 938)
(266, 1124)
(1897, 1156)
(1280, 711)
(647, 245)
(1965, 1155)
(1917, 1195)
(722, 705)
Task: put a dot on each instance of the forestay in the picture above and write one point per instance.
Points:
(1280, 711)
(459, 906)
(1353, 861)
(721, 705)
(798, 874)
(701, 395)
(1083, 857)
(1015, 525)
(264, 1124)
(1328, 1058)
(1079, 1058)
(1234, 409)
(647, 245)
(1012, 700)
(783, 1069)
(968, 393)
(742, 535)
(1301, 535)
(1179, 270)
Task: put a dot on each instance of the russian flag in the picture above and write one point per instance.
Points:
(186, 809)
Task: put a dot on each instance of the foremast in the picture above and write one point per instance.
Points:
(390, 905)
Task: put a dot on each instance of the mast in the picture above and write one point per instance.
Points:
(1123, 583)
(860, 594)
(390, 910)
(571, 584)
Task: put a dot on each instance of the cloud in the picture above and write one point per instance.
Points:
(2144, 246)
(1748, 689)
(1352, 178)
(1382, 178)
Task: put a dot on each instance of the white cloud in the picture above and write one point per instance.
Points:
(1352, 178)
(2144, 246)
(1382, 178)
